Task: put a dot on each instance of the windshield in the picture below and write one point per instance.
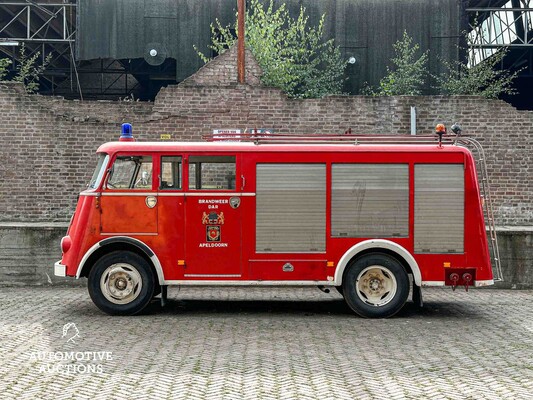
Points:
(98, 171)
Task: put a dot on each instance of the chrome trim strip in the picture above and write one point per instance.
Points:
(487, 282)
(212, 276)
(155, 194)
(171, 194)
(283, 260)
(432, 283)
(131, 194)
(290, 252)
(246, 283)
(128, 233)
(230, 194)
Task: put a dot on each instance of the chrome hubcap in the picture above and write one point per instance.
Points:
(376, 285)
(121, 283)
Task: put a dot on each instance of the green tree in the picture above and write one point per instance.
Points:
(408, 74)
(29, 70)
(4, 64)
(294, 56)
(482, 79)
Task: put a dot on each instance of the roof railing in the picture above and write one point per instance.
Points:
(277, 138)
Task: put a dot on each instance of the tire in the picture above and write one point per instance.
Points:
(375, 286)
(157, 290)
(121, 283)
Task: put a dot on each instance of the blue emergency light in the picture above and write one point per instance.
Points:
(126, 134)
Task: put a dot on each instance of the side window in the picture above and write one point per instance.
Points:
(212, 172)
(131, 172)
(170, 173)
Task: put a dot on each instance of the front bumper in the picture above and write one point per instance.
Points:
(60, 269)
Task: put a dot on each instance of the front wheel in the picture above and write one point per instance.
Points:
(121, 283)
(375, 286)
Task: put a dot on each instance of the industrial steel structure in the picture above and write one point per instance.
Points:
(112, 48)
(44, 27)
(496, 25)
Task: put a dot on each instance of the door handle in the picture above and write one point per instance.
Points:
(243, 182)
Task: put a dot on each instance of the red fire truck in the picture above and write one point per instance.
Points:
(371, 216)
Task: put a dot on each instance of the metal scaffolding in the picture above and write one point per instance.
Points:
(50, 27)
(44, 22)
(44, 27)
(494, 25)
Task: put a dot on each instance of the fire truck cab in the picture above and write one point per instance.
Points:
(368, 219)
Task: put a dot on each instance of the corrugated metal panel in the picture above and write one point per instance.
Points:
(439, 208)
(365, 29)
(370, 200)
(122, 29)
(291, 208)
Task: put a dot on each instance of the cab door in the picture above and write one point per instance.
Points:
(171, 204)
(128, 204)
(212, 219)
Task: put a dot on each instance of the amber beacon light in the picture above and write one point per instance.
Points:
(440, 130)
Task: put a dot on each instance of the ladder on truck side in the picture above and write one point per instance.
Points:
(348, 138)
(488, 211)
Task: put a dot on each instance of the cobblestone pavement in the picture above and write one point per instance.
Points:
(265, 344)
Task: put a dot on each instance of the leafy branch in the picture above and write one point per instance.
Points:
(293, 55)
(408, 74)
(29, 70)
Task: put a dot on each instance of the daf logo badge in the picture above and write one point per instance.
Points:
(235, 202)
(151, 201)
(288, 267)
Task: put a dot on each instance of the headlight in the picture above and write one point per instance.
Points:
(66, 242)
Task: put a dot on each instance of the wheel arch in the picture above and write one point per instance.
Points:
(382, 246)
(120, 243)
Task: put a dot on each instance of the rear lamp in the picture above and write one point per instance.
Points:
(66, 242)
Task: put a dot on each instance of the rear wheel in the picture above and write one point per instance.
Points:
(121, 283)
(375, 286)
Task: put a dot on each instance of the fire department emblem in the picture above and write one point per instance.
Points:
(213, 233)
(151, 201)
(235, 202)
(213, 218)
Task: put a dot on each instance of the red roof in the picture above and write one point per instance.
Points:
(244, 147)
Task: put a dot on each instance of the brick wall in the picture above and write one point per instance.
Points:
(47, 144)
